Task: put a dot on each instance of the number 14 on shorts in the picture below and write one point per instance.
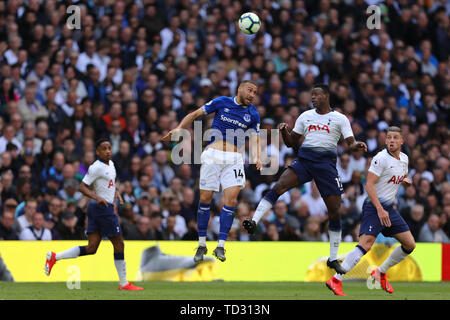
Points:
(238, 173)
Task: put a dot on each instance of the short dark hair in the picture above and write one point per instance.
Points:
(322, 86)
(100, 141)
(247, 81)
(11, 146)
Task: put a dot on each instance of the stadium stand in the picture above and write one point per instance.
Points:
(134, 69)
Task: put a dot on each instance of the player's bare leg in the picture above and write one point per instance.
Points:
(287, 181)
(203, 215)
(353, 257)
(333, 204)
(94, 240)
(119, 262)
(226, 219)
(397, 255)
(407, 240)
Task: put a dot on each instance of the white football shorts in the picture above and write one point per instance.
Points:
(221, 168)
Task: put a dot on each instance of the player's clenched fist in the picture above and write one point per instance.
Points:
(283, 126)
(258, 164)
(407, 181)
(358, 145)
(168, 136)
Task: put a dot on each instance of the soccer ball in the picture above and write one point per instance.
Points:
(249, 23)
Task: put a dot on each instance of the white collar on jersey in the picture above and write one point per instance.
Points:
(235, 101)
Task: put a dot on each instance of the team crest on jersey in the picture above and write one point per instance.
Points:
(247, 117)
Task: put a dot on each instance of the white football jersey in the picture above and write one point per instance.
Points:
(322, 131)
(391, 173)
(104, 178)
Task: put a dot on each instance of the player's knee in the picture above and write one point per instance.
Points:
(409, 247)
(205, 198)
(366, 243)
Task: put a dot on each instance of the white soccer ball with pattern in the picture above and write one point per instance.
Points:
(249, 23)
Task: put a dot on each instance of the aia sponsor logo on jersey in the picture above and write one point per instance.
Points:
(318, 127)
(111, 183)
(396, 179)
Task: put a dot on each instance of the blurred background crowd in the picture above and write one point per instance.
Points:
(134, 69)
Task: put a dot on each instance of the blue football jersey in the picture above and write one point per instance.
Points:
(232, 120)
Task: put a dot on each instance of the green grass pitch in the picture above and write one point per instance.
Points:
(355, 290)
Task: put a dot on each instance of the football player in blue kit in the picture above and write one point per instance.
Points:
(222, 161)
(316, 133)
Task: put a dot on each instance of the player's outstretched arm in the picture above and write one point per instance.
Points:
(356, 145)
(186, 122)
(84, 189)
(290, 138)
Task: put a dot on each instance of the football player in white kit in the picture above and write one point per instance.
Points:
(388, 169)
(316, 133)
(102, 215)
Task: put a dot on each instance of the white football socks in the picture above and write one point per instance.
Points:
(202, 241)
(396, 256)
(350, 261)
(335, 240)
(68, 254)
(121, 271)
(261, 210)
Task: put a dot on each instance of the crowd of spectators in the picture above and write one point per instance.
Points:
(134, 69)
